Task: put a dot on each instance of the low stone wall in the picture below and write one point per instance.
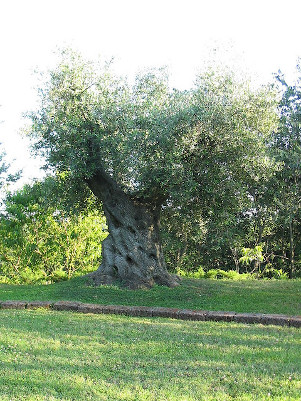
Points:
(146, 311)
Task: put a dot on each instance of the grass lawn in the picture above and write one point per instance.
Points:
(48, 355)
(262, 296)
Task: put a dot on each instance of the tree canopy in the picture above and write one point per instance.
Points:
(153, 141)
(143, 146)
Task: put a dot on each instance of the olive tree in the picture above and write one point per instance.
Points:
(143, 146)
(286, 147)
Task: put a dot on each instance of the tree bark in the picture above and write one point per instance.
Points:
(234, 252)
(132, 252)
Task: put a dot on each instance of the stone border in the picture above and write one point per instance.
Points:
(148, 311)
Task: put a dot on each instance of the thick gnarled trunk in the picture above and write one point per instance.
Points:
(132, 252)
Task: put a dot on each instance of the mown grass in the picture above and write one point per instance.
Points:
(48, 355)
(262, 296)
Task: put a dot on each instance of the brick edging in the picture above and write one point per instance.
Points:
(149, 311)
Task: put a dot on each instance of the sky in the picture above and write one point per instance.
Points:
(260, 36)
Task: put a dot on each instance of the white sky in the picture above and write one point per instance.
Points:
(264, 34)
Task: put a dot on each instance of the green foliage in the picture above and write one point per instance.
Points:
(250, 255)
(271, 272)
(215, 274)
(286, 147)
(26, 275)
(199, 273)
(269, 216)
(224, 159)
(234, 275)
(153, 141)
(41, 243)
(59, 275)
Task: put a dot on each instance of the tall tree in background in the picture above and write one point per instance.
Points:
(138, 148)
(287, 150)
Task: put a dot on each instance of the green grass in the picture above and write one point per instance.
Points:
(262, 296)
(48, 355)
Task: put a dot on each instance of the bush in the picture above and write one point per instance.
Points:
(59, 275)
(233, 275)
(270, 272)
(212, 273)
(216, 274)
(200, 273)
(4, 280)
(28, 276)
